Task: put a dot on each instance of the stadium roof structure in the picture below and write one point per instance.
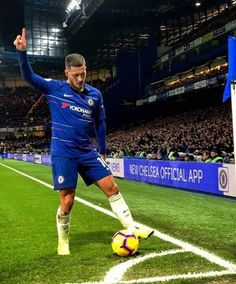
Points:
(124, 25)
(102, 28)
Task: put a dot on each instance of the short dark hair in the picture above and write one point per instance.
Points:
(215, 150)
(74, 59)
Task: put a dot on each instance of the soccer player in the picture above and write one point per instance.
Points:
(76, 111)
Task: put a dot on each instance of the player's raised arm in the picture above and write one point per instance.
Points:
(20, 41)
(28, 74)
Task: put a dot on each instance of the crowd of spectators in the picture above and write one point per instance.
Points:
(200, 135)
(15, 106)
(25, 144)
(25, 107)
(188, 136)
(185, 136)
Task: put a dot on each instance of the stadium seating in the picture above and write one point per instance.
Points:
(187, 133)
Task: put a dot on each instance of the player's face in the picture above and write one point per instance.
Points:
(76, 77)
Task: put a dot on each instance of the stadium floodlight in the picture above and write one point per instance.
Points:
(197, 3)
(73, 5)
(55, 30)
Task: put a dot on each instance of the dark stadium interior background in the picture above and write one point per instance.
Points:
(135, 50)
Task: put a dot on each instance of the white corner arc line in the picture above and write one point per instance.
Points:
(184, 245)
(115, 274)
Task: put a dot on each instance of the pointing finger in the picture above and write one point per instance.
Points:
(24, 33)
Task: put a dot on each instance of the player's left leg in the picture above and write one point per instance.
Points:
(120, 207)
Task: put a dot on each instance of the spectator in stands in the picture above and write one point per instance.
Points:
(174, 156)
(189, 158)
(2, 153)
(206, 157)
(231, 158)
(215, 156)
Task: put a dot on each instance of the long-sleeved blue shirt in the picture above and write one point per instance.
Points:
(75, 115)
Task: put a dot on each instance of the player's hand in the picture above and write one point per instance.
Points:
(103, 157)
(20, 41)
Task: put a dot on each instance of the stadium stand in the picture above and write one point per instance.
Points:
(188, 133)
(198, 130)
(208, 70)
(212, 20)
(15, 105)
(26, 144)
(25, 107)
(201, 130)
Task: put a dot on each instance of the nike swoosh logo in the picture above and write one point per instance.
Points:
(67, 96)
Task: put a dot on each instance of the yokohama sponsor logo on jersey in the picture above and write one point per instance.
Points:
(76, 108)
(80, 109)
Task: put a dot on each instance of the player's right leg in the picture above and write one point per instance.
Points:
(98, 172)
(63, 220)
(65, 180)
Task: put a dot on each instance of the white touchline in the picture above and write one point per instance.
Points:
(164, 278)
(30, 177)
(175, 277)
(231, 267)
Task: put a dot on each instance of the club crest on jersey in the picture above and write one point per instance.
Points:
(60, 179)
(90, 102)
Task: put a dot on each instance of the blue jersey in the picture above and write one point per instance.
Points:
(76, 116)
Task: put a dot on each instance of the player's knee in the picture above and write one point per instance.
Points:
(67, 202)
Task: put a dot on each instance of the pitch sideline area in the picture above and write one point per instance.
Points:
(115, 274)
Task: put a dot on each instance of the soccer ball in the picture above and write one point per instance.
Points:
(125, 243)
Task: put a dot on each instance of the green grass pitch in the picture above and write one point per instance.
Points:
(28, 236)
